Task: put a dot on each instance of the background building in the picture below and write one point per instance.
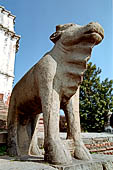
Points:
(9, 43)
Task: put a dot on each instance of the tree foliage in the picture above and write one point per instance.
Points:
(96, 99)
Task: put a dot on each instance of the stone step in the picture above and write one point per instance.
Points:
(1, 104)
(3, 110)
(3, 137)
(110, 152)
(3, 116)
(3, 107)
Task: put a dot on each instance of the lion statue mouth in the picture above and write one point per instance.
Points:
(99, 33)
(94, 36)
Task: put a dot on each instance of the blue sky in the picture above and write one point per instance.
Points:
(36, 21)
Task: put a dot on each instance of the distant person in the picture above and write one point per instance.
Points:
(111, 120)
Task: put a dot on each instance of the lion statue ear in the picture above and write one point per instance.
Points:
(59, 29)
(55, 36)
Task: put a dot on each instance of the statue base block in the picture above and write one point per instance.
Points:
(99, 162)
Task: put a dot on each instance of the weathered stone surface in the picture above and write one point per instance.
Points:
(11, 164)
(51, 84)
(99, 162)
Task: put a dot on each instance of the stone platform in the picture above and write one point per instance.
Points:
(95, 142)
(99, 162)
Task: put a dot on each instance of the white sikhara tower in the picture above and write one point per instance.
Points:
(9, 43)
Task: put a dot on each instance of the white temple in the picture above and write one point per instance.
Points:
(9, 43)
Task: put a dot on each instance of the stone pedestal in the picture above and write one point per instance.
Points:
(99, 162)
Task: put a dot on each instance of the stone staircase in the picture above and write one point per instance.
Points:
(3, 114)
(41, 124)
(99, 143)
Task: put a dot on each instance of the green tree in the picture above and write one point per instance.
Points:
(96, 99)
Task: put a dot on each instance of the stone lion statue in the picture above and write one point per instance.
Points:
(51, 84)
